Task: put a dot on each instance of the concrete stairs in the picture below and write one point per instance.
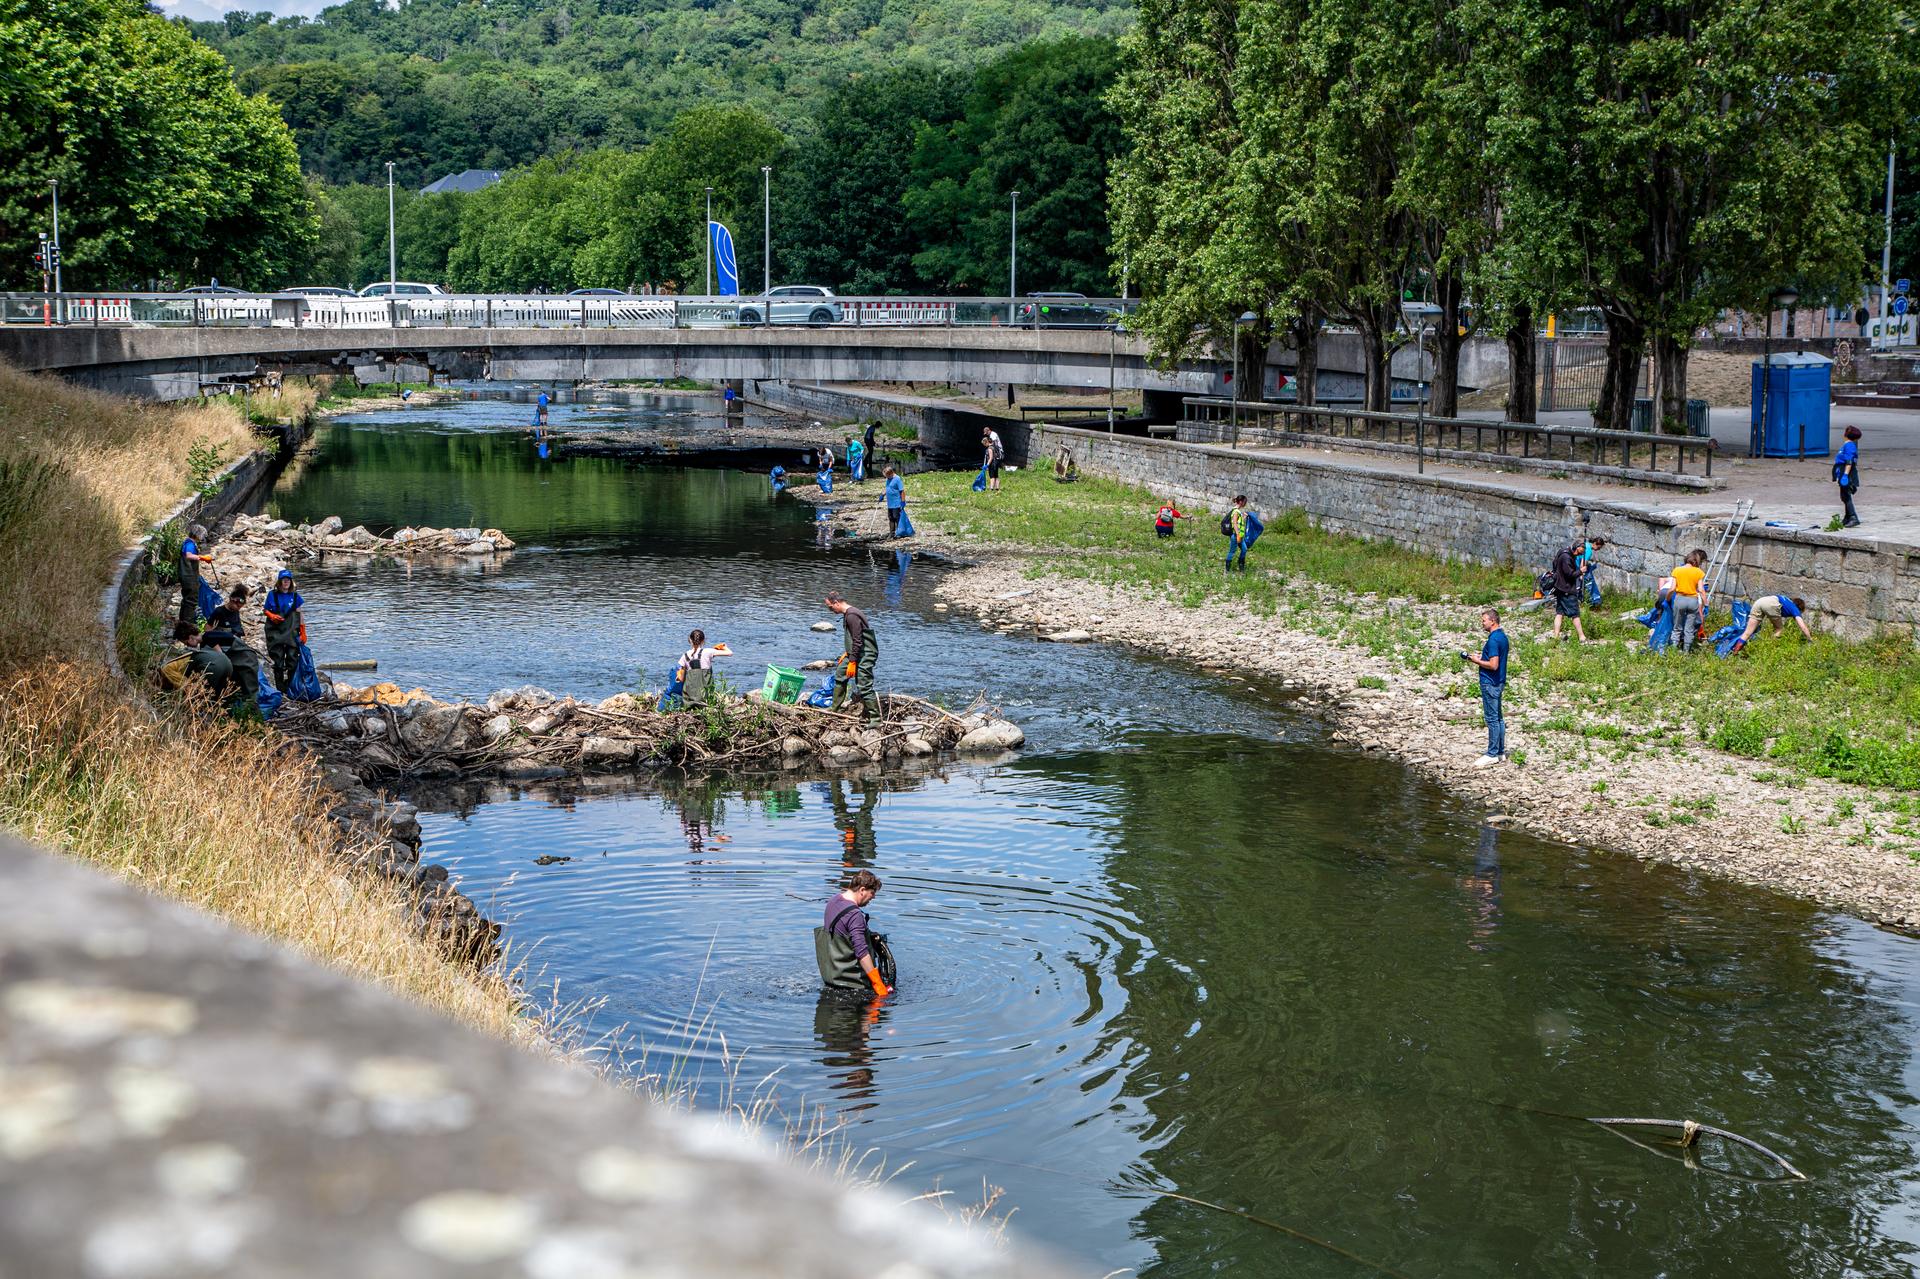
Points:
(1878, 395)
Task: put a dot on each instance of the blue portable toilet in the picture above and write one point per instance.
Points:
(1801, 396)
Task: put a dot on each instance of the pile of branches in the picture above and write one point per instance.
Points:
(529, 732)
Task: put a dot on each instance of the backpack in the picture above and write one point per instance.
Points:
(1226, 524)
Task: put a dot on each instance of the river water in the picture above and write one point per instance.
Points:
(1179, 944)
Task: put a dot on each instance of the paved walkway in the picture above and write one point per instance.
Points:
(1787, 491)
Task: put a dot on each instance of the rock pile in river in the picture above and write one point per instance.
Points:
(262, 544)
(529, 732)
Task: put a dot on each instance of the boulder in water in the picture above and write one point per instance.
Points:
(995, 735)
(1074, 636)
(607, 750)
(496, 728)
(823, 626)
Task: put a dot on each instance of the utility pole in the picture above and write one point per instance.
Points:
(707, 234)
(55, 184)
(766, 229)
(1886, 247)
(393, 248)
(1013, 251)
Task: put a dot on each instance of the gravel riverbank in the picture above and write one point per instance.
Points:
(1679, 802)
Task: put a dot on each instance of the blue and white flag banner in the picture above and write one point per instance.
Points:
(726, 271)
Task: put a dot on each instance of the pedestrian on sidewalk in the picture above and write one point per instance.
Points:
(1846, 473)
(1776, 609)
(1689, 599)
(1493, 685)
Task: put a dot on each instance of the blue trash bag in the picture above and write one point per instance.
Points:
(1592, 587)
(670, 699)
(858, 465)
(305, 685)
(980, 481)
(209, 600)
(1727, 636)
(268, 699)
(825, 480)
(905, 526)
(822, 696)
(1254, 529)
(1659, 623)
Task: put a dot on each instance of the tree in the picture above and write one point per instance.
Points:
(841, 187)
(165, 169)
(1035, 121)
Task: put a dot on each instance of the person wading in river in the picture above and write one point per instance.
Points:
(857, 662)
(286, 629)
(696, 668)
(841, 945)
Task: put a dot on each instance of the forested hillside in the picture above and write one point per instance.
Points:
(440, 85)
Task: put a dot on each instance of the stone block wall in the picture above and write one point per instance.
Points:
(949, 434)
(1853, 586)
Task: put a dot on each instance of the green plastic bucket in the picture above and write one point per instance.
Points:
(783, 685)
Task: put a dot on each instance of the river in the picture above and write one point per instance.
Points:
(1181, 943)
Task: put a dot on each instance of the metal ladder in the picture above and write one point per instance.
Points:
(1722, 555)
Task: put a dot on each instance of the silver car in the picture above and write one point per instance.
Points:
(793, 304)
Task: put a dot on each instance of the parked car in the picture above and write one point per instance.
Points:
(320, 291)
(793, 304)
(1061, 310)
(402, 289)
(598, 293)
(204, 290)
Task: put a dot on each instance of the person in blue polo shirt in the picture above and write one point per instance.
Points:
(1776, 609)
(1493, 685)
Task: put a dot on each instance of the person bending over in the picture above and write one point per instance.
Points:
(841, 947)
(1776, 609)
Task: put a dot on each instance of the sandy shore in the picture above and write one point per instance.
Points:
(1685, 804)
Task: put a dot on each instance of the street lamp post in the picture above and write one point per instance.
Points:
(706, 233)
(393, 250)
(766, 228)
(1420, 399)
(1013, 252)
(55, 184)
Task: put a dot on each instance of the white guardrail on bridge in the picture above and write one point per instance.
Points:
(544, 311)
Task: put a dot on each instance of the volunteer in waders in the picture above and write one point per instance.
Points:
(188, 564)
(227, 632)
(857, 662)
(286, 629)
(696, 668)
(841, 945)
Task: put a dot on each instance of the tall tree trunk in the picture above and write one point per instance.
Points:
(1670, 383)
(1625, 338)
(1305, 334)
(1254, 340)
(1379, 380)
(1523, 397)
(1446, 349)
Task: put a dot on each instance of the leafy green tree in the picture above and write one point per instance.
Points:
(840, 189)
(166, 171)
(1035, 121)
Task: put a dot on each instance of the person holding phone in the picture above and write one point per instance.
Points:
(1492, 662)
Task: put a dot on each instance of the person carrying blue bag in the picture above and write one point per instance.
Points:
(897, 522)
(1242, 528)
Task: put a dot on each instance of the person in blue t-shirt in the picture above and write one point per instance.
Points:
(1493, 685)
(896, 501)
(541, 417)
(1776, 609)
(1846, 473)
(187, 566)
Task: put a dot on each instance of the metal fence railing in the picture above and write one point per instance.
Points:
(1216, 420)
(599, 311)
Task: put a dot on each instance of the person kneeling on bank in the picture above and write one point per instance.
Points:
(841, 944)
(191, 658)
(1776, 609)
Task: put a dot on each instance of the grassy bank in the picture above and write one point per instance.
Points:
(1828, 709)
(190, 805)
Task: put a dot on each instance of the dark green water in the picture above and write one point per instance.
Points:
(1180, 944)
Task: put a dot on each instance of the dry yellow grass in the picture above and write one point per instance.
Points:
(186, 803)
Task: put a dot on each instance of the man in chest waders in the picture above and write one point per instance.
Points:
(852, 959)
(857, 663)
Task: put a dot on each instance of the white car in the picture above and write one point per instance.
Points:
(793, 304)
(402, 289)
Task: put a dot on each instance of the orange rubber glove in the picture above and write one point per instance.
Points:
(880, 988)
(853, 668)
(273, 617)
(303, 632)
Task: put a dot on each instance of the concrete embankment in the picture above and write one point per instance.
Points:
(947, 434)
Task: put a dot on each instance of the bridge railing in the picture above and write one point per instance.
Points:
(1217, 420)
(597, 311)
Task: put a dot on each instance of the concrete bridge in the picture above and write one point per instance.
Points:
(566, 340)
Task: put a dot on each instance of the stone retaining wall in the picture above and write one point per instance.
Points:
(1853, 585)
(949, 434)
